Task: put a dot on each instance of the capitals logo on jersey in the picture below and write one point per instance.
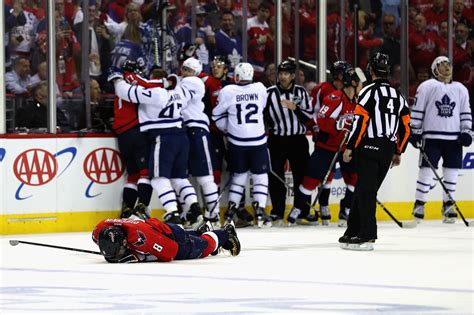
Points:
(445, 107)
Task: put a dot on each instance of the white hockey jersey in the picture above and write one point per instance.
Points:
(158, 108)
(193, 114)
(441, 110)
(239, 113)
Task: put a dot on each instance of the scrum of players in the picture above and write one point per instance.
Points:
(194, 124)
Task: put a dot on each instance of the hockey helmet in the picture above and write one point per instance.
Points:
(132, 66)
(111, 243)
(349, 75)
(244, 72)
(379, 63)
(193, 64)
(438, 60)
(339, 67)
(287, 66)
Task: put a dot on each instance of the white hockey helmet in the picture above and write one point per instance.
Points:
(193, 64)
(436, 63)
(244, 71)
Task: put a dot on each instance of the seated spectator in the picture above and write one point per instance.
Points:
(132, 15)
(462, 60)
(422, 75)
(18, 80)
(41, 75)
(391, 42)
(463, 14)
(34, 114)
(101, 115)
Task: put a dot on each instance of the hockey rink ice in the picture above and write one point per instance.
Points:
(426, 270)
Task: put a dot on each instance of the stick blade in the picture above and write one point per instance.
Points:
(409, 224)
(14, 242)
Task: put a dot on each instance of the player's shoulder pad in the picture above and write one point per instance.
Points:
(195, 81)
(334, 97)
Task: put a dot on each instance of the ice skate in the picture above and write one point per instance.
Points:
(293, 216)
(276, 220)
(193, 217)
(343, 217)
(230, 213)
(262, 220)
(213, 218)
(126, 213)
(172, 217)
(418, 211)
(244, 218)
(448, 212)
(233, 243)
(140, 211)
(356, 243)
(325, 215)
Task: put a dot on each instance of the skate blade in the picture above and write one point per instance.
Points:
(342, 223)
(325, 222)
(449, 220)
(364, 247)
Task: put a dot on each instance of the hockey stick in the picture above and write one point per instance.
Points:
(282, 181)
(16, 242)
(425, 157)
(333, 162)
(221, 194)
(407, 225)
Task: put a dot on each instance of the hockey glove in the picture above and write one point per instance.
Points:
(415, 138)
(465, 138)
(344, 124)
(172, 81)
(114, 73)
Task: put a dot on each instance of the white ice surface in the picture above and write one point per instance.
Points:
(427, 270)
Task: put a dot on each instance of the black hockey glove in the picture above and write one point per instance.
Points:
(415, 138)
(465, 138)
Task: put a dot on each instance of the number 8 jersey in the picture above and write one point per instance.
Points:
(239, 113)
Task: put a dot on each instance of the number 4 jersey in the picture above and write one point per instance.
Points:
(239, 113)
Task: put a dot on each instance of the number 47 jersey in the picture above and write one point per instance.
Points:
(239, 113)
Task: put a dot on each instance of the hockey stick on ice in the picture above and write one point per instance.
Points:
(440, 180)
(227, 184)
(16, 242)
(282, 181)
(407, 225)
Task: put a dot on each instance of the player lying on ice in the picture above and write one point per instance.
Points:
(128, 240)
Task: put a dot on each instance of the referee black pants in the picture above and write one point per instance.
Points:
(374, 157)
(295, 149)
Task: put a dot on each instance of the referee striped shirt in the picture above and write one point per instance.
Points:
(284, 121)
(382, 112)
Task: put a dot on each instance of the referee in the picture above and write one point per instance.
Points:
(288, 109)
(379, 136)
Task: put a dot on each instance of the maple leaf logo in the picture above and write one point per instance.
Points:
(445, 107)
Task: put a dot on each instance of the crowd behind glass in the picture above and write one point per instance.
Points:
(215, 28)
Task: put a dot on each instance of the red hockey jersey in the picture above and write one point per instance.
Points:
(334, 106)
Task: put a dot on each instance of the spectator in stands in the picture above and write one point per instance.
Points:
(462, 14)
(270, 75)
(413, 12)
(308, 39)
(13, 18)
(391, 42)
(22, 36)
(218, 9)
(257, 31)
(228, 43)
(41, 75)
(252, 8)
(132, 15)
(366, 41)
(422, 75)
(462, 59)
(424, 46)
(101, 115)
(100, 45)
(18, 81)
(435, 15)
(34, 113)
(301, 79)
(205, 37)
